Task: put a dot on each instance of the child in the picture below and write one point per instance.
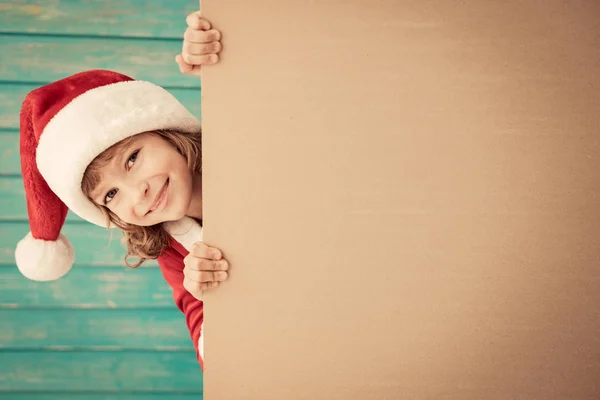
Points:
(121, 153)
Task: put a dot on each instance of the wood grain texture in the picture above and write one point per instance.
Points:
(94, 245)
(13, 94)
(64, 329)
(139, 18)
(12, 191)
(35, 371)
(10, 162)
(87, 287)
(103, 331)
(60, 395)
(53, 58)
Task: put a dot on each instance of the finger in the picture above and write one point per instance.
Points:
(198, 36)
(183, 66)
(203, 264)
(205, 276)
(193, 288)
(187, 69)
(209, 285)
(201, 250)
(195, 21)
(201, 48)
(196, 289)
(205, 59)
(195, 72)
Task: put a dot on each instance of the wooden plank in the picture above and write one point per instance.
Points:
(10, 162)
(101, 396)
(50, 58)
(87, 287)
(99, 371)
(93, 244)
(141, 18)
(12, 196)
(65, 329)
(13, 94)
(11, 98)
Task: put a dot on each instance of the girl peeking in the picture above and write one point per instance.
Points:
(121, 153)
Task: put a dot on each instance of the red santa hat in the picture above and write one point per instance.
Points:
(64, 126)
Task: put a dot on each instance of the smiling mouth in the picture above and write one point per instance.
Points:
(160, 197)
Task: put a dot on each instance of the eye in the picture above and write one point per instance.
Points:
(109, 196)
(132, 159)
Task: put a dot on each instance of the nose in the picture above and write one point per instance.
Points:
(140, 197)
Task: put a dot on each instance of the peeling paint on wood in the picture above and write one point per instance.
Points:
(94, 245)
(99, 371)
(103, 331)
(11, 97)
(142, 18)
(9, 159)
(101, 396)
(118, 329)
(87, 287)
(12, 192)
(32, 57)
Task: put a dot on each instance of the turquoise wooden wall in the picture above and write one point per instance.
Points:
(104, 331)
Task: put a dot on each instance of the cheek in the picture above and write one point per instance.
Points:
(182, 190)
(125, 214)
(182, 174)
(187, 190)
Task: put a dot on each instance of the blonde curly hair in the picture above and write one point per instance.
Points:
(143, 242)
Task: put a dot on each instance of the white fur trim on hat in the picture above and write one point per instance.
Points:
(93, 122)
(185, 231)
(43, 260)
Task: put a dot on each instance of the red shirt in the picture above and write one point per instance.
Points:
(171, 265)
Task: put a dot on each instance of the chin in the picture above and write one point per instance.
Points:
(174, 214)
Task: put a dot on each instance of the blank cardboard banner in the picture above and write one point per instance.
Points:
(408, 194)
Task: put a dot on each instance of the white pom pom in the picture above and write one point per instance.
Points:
(43, 260)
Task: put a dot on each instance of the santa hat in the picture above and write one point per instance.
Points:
(64, 126)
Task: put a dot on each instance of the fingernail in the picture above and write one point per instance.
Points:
(217, 255)
(214, 284)
(222, 275)
(224, 265)
(216, 35)
(213, 58)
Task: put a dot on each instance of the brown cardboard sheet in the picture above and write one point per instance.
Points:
(408, 193)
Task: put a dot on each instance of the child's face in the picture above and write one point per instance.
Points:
(146, 183)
